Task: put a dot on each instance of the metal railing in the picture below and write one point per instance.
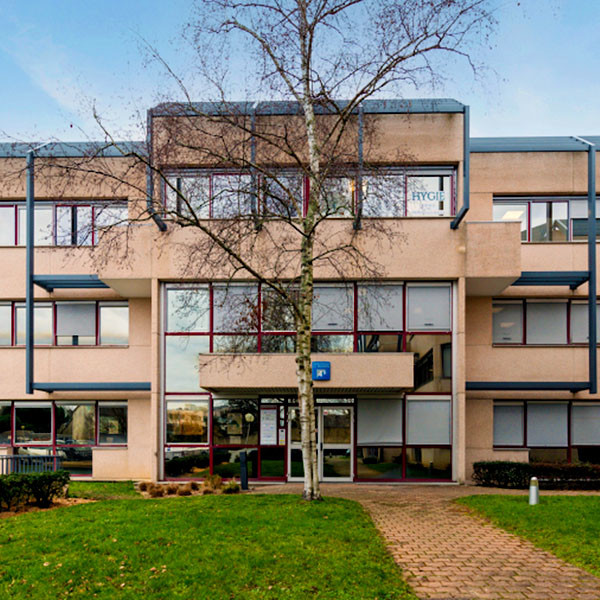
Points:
(29, 464)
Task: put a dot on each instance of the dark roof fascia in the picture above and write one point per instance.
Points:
(280, 108)
(73, 149)
(532, 144)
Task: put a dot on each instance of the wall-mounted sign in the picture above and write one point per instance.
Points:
(321, 370)
(268, 426)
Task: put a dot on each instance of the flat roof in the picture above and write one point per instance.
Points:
(282, 107)
(533, 144)
(71, 149)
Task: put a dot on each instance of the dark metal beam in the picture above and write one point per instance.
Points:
(571, 278)
(102, 386)
(466, 170)
(29, 274)
(572, 386)
(592, 311)
(52, 282)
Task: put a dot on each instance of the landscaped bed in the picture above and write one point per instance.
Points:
(567, 526)
(217, 547)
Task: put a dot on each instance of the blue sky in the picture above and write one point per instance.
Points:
(59, 58)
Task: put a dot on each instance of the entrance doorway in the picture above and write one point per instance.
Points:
(335, 443)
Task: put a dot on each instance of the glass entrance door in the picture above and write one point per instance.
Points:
(335, 443)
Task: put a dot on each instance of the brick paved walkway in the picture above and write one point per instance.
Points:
(447, 554)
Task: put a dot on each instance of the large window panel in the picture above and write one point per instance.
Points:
(429, 308)
(383, 196)
(187, 196)
(235, 422)
(513, 212)
(277, 312)
(43, 225)
(5, 324)
(235, 308)
(333, 308)
(187, 420)
(507, 323)
(75, 423)
(380, 307)
(429, 196)
(5, 422)
(427, 421)
(114, 324)
(112, 422)
(283, 196)
(585, 424)
(188, 309)
(379, 421)
(231, 196)
(549, 221)
(546, 323)
(42, 325)
(579, 323)
(182, 361)
(432, 362)
(76, 323)
(7, 225)
(547, 424)
(337, 196)
(509, 424)
(33, 423)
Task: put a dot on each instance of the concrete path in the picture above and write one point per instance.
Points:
(447, 554)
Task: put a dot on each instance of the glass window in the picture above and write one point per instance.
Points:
(428, 463)
(7, 225)
(332, 343)
(182, 361)
(272, 461)
(379, 343)
(235, 308)
(109, 215)
(78, 461)
(112, 422)
(235, 344)
(188, 195)
(383, 196)
(337, 196)
(507, 323)
(429, 196)
(226, 462)
(42, 324)
(278, 343)
(585, 424)
(232, 196)
(378, 462)
(187, 421)
(114, 324)
(579, 323)
(187, 462)
(188, 309)
(5, 324)
(579, 229)
(5, 422)
(508, 424)
(75, 423)
(429, 307)
(547, 423)
(43, 226)
(512, 212)
(33, 423)
(235, 422)
(549, 221)
(283, 196)
(76, 323)
(73, 225)
(379, 421)
(277, 313)
(546, 323)
(431, 372)
(333, 308)
(380, 307)
(427, 421)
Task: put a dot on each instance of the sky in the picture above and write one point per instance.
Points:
(63, 60)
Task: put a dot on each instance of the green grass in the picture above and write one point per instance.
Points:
(217, 547)
(567, 526)
(100, 490)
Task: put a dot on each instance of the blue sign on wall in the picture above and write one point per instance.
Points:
(321, 371)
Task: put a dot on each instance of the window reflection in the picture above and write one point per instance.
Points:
(182, 362)
(235, 421)
(75, 423)
(432, 362)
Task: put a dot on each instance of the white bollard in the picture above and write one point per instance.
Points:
(534, 491)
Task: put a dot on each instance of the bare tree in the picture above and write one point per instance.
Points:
(290, 166)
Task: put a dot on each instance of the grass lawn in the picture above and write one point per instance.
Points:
(214, 547)
(567, 526)
(100, 490)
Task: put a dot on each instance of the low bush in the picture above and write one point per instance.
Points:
(40, 489)
(213, 482)
(552, 476)
(194, 485)
(171, 488)
(233, 487)
(156, 491)
(184, 490)
(143, 485)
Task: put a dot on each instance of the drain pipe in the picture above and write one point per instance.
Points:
(466, 169)
(149, 177)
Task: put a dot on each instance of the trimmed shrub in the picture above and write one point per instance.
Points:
(171, 488)
(143, 485)
(213, 482)
(233, 487)
(184, 490)
(41, 489)
(156, 491)
(552, 476)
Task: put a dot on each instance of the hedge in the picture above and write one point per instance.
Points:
(551, 476)
(18, 489)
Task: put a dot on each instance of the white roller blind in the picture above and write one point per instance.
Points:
(379, 422)
(579, 323)
(76, 318)
(429, 308)
(380, 307)
(428, 421)
(547, 424)
(508, 424)
(507, 323)
(585, 424)
(546, 322)
(333, 308)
